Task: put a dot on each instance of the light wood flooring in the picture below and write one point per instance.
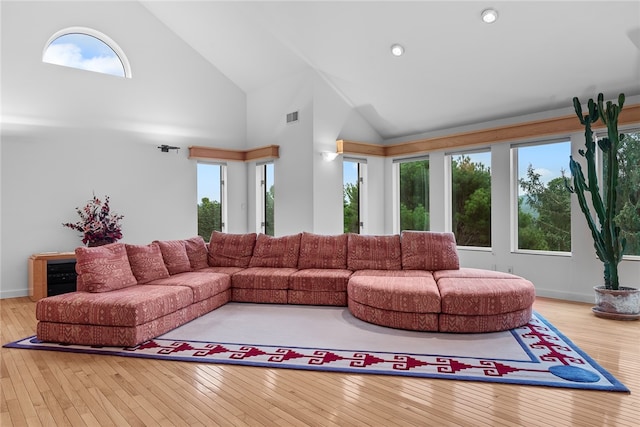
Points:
(49, 388)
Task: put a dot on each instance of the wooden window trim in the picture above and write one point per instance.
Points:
(212, 153)
(564, 125)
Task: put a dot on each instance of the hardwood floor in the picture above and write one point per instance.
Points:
(48, 388)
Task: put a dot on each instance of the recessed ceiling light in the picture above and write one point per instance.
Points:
(489, 16)
(397, 49)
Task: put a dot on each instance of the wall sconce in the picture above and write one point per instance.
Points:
(165, 148)
(329, 156)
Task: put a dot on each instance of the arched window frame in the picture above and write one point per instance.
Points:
(98, 35)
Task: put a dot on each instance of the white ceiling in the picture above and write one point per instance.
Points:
(456, 70)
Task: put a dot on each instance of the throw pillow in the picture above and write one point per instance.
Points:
(278, 252)
(428, 250)
(104, 268)
(231, 250)
(174, 253)
(319, 251)
(146, 262)
(365, 252)
(197, 252)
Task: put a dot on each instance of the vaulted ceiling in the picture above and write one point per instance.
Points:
(456, 70)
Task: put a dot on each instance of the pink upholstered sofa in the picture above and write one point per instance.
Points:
(128, 294)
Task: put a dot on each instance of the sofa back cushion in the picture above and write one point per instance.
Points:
(103, 268)
(146, 262)
(427, 250)
(197, 252)
(278, 252)
(366, 252)
(231, 250)
(317, 251)
(174, 253)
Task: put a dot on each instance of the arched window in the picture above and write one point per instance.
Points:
(86, 49)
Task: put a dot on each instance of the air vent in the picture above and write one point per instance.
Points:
(292, 117)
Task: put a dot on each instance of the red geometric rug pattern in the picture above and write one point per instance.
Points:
(550, 359)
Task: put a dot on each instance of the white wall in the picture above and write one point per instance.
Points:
(67, 133)
(333, 119)
(293, 176)
(308, 190)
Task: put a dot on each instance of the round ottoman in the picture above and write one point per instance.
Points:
(484, 304)
(398, 302)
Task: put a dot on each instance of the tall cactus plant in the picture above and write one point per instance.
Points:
(606, 235)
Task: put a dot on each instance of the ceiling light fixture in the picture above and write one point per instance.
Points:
(397, 49)
(489, 16)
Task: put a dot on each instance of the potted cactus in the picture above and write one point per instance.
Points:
(612, 300)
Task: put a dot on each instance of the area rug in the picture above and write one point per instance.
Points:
(331, 339)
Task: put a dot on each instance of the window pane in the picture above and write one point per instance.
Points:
(544, 204)
(351, 196)
(471, 199)
(414, 195)
(84, 52)
(269, 197)
(628, 218)
(209, 199)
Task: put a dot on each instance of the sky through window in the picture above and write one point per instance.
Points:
(84, 52)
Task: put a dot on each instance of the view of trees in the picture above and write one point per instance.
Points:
(269, 223)
(414, 195)
(209, 217)
(629, 192)
(471, 201)
(351, 201)
(544, 214)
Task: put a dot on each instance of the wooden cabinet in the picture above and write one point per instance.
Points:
(51, 273)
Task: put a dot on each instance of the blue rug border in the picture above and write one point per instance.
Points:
(616, 385)
(613, 380)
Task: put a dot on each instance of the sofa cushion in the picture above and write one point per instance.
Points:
(230, 271)
(485, 296)
(131, 306)
(204, 285)
(393, 273)
(231, 250)
(262, 278)
(320, 279)
(104, 268)
(406, 294)
(427, 250)
(470, 273)
(174, 253)
(374, 252)
(276, 252)
(146, 262)
(197, 252)
(318, 251)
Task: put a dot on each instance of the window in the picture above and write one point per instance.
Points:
(211, 199)
(471, 198)
(543, 202)
(413, 202)
(86, 49)
(354, 171)
(628, 218)
(265, 198)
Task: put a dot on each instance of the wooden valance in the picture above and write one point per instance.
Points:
(211, 153)
(540, 128)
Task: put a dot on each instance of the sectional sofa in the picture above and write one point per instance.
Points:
(127, 294)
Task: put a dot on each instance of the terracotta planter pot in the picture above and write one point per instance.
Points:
(623, 304)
